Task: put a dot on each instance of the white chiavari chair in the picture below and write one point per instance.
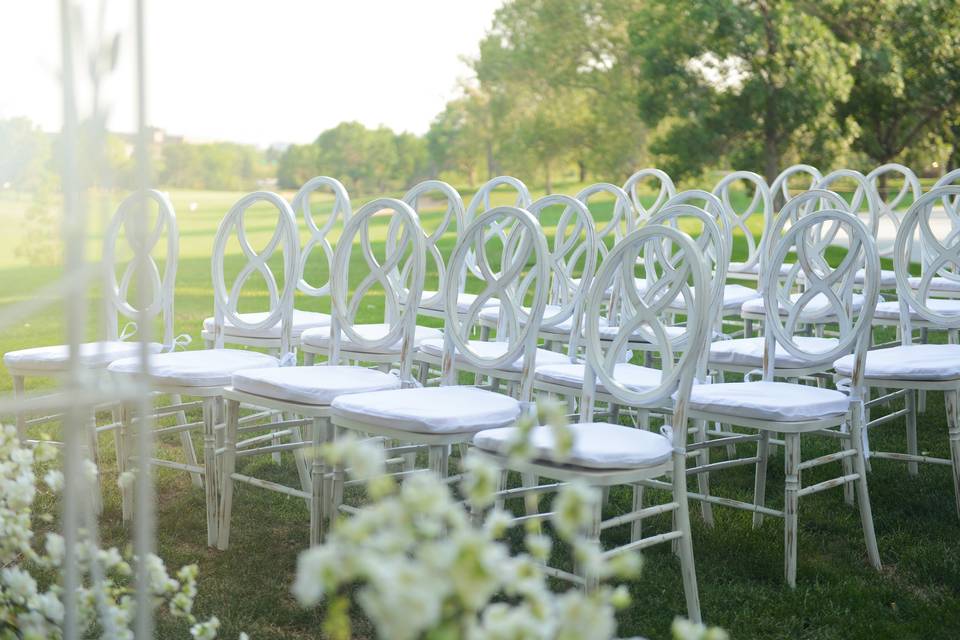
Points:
(204, 373)
(780, 192)
(605, 454)
(269, 337)
(794, 410)
(664, 188)
(759, 205)
(307, 391)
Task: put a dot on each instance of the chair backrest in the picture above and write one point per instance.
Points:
(453, 215)
(865, 194)
(161, 292)
(621, 218)
(712, 205)
(404, 252)
(899, 183)
(481, 202)
(665, 190)
(941, 259)
(572, 260)
(760, 204)
(780, 187)
(828, 288)
(803, 204)
(285, 240)
(319, 233)
(502, 275)
(675, 259)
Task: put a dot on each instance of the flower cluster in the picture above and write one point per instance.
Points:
(105, 598)
(422, 564)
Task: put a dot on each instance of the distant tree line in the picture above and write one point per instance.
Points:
(594, 89)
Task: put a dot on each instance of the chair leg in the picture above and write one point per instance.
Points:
(703, 479)
(92, 453)
(502, 484)
(791, 469)
(911, 405)
(300, 460)
(229, 465)
(126, 490)
(953, 429)
(636, 529)
(210, 469)
(760, 477)
(18, 391)
(319, 435)
(685, 542)
(189, 452)
(591, 581)
(922, 399)
(863, 494)
(531, 501)
(848, 468)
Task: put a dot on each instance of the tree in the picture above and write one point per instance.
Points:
(25, 161)
(746, 82)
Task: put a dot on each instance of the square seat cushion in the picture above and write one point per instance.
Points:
(202, 368)
(491, 350)
(302, 320)
(596, 445)
(464, 300)
(632, 376)
(817, 309)
(891, 310)
(491, 315)
(433, 410)
(937, 284)
(608, 332)
(888, 278)
(320, 338)
(57, 357)
(734, 295)
(607, 293)
(779, 401)
(908, 362)
(312, 385)
(737, 268)
(748, 352)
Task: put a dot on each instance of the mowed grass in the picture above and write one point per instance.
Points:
(739, 568)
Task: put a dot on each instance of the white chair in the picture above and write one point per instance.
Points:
(910, 367)
(621, 222)
(269, 337)
(794, 410)
(437, 417)
(53, 361)
(780, 187)
(605, 454)
(307, 391)
(760, 205)
(943, 286)
(204, 373)
(665, 190)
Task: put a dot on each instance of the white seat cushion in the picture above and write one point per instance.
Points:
(938, 284)
(673, 332)
(491, 315)
(607, 293)
(780, 401)
(734, 295)
(312, 385)
(817, 309)
(464, 300)
(491, 350)
(891, 310)
(741, 267)
(596, 445)
(302, 320)
(632, 376)
(436, 410)
(203, 368)
(908, 362)
(57, 357)
(320, 338)
(888, 278)
(748, 352)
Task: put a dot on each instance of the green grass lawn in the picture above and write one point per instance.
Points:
(739, 568)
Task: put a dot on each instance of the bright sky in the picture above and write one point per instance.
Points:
(257, 71)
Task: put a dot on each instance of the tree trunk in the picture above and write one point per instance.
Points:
(547, 178)
(582, 167)
(491, 163)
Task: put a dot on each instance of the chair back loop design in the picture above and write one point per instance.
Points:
(780, 187)
(319, 234)
(481, 202)
(760, 203)
(665, 191)
(889, 206)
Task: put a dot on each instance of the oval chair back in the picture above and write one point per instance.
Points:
(760, 205)
(280, 300)
(504, 274)
(675, 259)
(161, 294)
(909, 185)
(941, 259)
(481, 202)
(572, 261)
(864, 195)
(454, 216)
(665, 190)
(780, 187)
(828, 289)
(319, 233)
(405, 252)
(712, 205)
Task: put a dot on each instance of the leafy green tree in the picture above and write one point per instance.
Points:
(25, 160)
(745, 83)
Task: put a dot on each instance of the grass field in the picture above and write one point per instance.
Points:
(739, 569)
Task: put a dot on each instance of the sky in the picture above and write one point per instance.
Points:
(261, 72)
